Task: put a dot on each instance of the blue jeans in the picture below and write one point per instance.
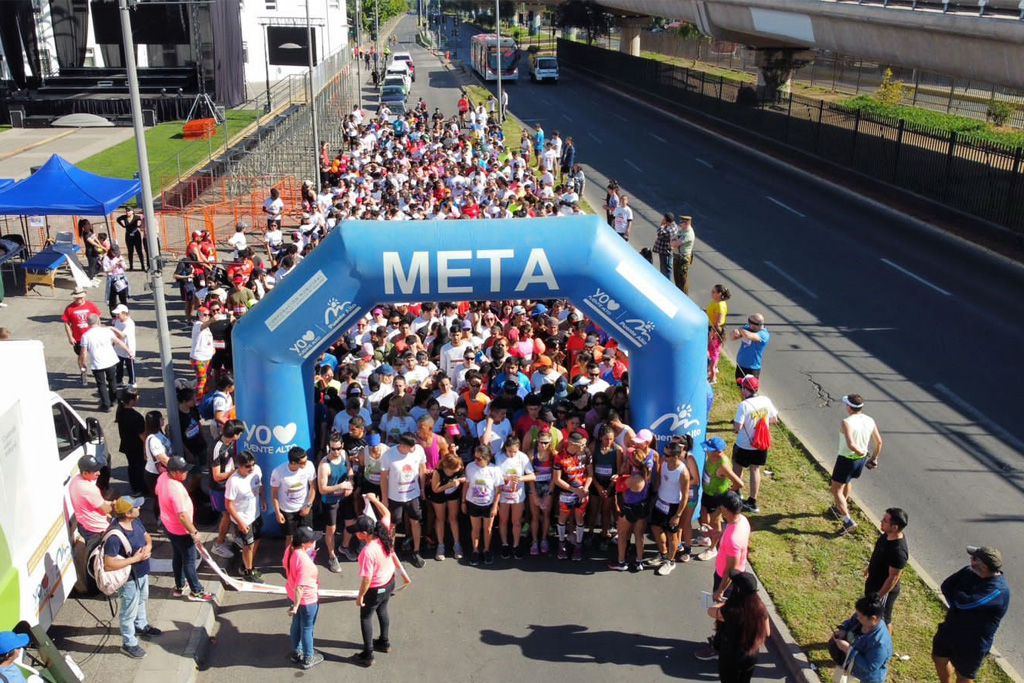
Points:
(665, 264)
(302, 629)
(134, 596)
(183, 562)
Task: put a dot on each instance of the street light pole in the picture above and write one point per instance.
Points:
(377, 58)
(312, 102)
(156, 278)
(497, 31)
(359, 60)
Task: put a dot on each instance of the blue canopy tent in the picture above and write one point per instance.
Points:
(61, 189)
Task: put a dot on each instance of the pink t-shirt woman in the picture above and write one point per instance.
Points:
(375, 564)
(300, 571)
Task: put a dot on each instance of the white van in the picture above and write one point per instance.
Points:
(543, 68)
(41, 441)
(400, 69)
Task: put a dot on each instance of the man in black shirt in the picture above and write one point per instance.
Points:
(888, 560)
(191, 427)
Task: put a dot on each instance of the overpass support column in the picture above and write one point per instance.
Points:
(775, 67)
(629, 38)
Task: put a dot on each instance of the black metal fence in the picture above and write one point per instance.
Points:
(982, 179)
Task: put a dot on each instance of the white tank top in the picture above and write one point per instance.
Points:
(670, 487)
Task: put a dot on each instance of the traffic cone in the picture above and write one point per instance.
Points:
(447, 56)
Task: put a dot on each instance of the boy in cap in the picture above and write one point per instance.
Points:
(134, 594)
(11, 645)
(978, 598)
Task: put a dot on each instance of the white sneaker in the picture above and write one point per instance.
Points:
(702, 542)
(665, 569)
(709, 554)
(222, 550)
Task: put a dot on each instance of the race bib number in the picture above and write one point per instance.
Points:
(568, 499)
(296, 494)
(603, 471)
(706, 479)
(662, 506)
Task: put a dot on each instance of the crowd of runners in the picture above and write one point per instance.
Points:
(465, 416)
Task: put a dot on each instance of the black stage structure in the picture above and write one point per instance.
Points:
(194, 47)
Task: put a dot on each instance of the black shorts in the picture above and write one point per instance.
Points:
(748, 458)
(475, 510)
(888, 601)
(369, 487)
(741, 372)
(962, 651)
(343, 509)
(710, 502)
(293, 520)
(662, 519)
(635, 512)
(847, 469)
(402, 509)
(253, 534)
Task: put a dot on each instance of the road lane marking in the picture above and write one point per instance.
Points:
(567, 118)
(546, 101)
(917, 277)
(595, 137)
(701, 161)
(787, 208)
(981, 418)
(792, 280)
(619, 116)
(659, 138)
(633, 165)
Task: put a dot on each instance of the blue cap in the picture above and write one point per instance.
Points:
(11, 641)
(715, 443)
(539, 309)
(373, 440)
(385, 370)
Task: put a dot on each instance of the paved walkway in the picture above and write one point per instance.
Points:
(23, 148)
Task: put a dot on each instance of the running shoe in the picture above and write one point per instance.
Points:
(665, 569)
(179, 591)
(563, 551)
(656, 561)
(641, 565)
(149, 632)
(545, 548)
(458, 554)
(416, 561)
(848, 527)
(222, 550)
(488, 557)
(382, 645)
(439, 553)
(506, 552)
(295, 658)
(364, 659)
(751, 506)
(332, 565)
(708, 554)
(618, 566)
(703, 542)
(706, 654)
(474, 559)
(577, 553)
(519, 553)
(534, 549)
(133, 651)
(252, 578)
(200, 597)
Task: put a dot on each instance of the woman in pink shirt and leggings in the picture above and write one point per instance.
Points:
(377, 564)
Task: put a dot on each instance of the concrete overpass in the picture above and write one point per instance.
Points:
(975, 39)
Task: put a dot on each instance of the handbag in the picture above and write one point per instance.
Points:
(843, 675)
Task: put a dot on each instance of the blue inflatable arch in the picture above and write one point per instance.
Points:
(365, 263)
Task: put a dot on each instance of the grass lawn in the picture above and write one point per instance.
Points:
(164, 144)
(813, 575)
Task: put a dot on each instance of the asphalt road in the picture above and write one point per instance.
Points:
(525, 620)
(857, 300)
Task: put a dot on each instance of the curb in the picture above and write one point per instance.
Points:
(791, 655)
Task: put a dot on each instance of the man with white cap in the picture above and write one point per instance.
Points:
(124, 324)
(134, 594)
(97, 353)
(856, 434)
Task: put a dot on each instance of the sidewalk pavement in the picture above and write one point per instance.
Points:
(23, 148)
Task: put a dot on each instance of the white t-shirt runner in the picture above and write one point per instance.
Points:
(244, 493)
(515, 466)
(403, 473)
(292, 487)
(483, 484)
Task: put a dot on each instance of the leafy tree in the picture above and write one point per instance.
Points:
(1000, 112)
(891, 92)
(584, 15)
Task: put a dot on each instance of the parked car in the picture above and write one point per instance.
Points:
(400, 69)
(390, 94)
(398, 81)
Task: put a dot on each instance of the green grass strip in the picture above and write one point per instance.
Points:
(813, 575)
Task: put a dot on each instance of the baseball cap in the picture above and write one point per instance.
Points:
(545, 361)
(377, 311)
(354, 390)
(91, 463)
(749, 382)
(591, 340)
(178, 464)
(11, 641)
(120, 308)
(78, 291)
(238, 279)
(516, 310)
(453, 430)
(715, 443)
(990, 557)
(643, 436)
(197, 233)
(373, 440)
(126, 504)
(539, 309)
(466, 325)
(577, 436)
(385, 370)
(305, 534)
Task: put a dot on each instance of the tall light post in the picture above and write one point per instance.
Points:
(156, 278)
(359, 47)
(497, 31)
(377, 58)
(312, 101)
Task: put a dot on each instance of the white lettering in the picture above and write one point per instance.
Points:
(538, 261)
(258, 433)
(444, 272)
(419, 268)
(495, 256)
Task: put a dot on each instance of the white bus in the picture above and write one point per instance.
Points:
(484, 57)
